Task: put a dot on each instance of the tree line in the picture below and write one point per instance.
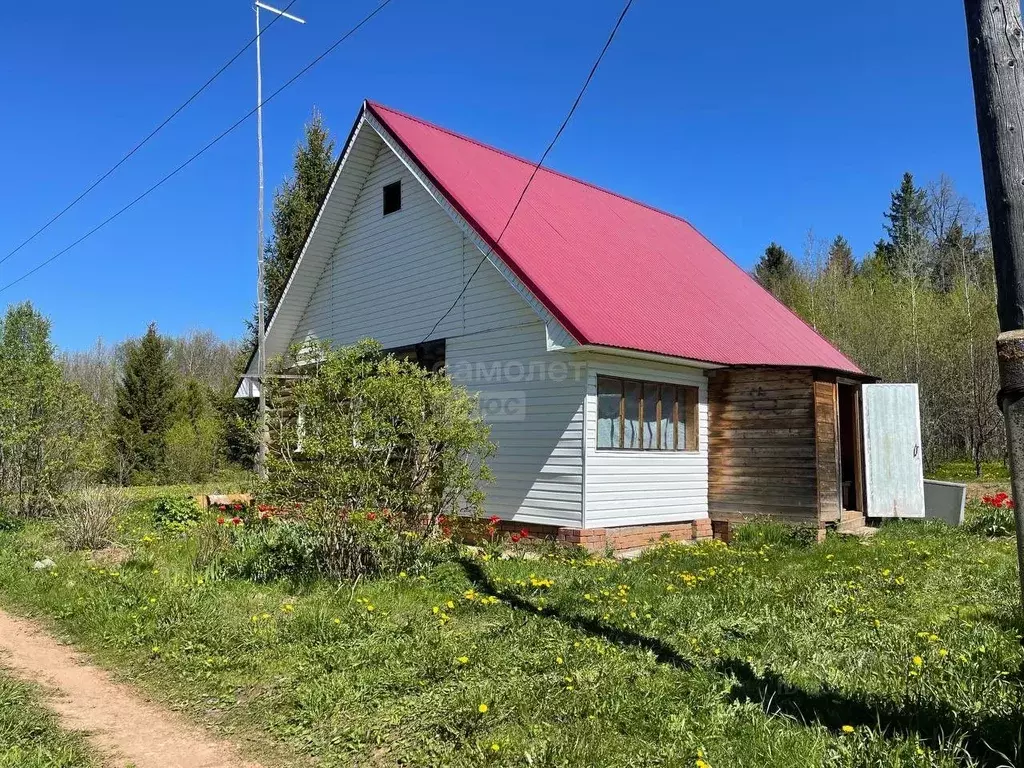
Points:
(920, 307)
(152, 408)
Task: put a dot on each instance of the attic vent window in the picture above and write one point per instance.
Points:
(392, 197)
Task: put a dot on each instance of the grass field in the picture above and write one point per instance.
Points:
(963, 472)
(30, 736)
(900, 650)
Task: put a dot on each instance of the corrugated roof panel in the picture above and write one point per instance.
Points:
(614, 271)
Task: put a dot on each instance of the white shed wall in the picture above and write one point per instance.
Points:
(392, 277)
(640, 487)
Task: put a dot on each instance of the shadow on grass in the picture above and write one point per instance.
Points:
(991, 740)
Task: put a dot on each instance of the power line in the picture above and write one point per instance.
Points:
(537, 167)
(145, 141)
(202, 151)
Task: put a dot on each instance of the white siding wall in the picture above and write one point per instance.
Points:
(637, 487)
(537, 426)
(392, 277)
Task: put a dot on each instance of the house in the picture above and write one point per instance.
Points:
(638, 383)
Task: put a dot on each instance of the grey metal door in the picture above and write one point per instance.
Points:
(893, 466)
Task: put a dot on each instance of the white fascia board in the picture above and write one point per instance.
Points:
(248, 388)
(555, 328)
(304, 253)
(649, 356)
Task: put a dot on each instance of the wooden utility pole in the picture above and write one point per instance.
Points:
(995, 40)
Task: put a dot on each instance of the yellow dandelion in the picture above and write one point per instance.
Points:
(847, 729)
(918, 661)
(495, 747)
(463, 659)
(482, 709)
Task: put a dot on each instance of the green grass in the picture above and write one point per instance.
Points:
(30, 736)
(900, 650)
(963, 472)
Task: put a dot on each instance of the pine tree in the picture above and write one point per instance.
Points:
(776, 268)
(145, 400)
(296, 202)
(907, 217)
(840, 258)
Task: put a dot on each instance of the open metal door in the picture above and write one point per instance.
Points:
(893, 465)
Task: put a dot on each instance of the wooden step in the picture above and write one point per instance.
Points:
(850, 522)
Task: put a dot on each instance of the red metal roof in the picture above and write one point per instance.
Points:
(613, 271)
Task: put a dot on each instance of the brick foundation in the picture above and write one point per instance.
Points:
(617, 539)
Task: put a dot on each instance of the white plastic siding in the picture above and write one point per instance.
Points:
(534, 404)
(638, 487)
(392, 277)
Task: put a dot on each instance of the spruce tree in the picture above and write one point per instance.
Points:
(296, 202)
(145, 399)
(907, 218)
(840, 258)
(776, 268)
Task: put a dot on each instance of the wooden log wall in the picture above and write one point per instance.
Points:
(768, 440)
(826, 441)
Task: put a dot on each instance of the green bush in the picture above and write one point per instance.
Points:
(268, 551)
(175, 513)
(318, 543)
(192, 450)
(379, 452)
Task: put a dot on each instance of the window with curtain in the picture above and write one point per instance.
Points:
(646, 415)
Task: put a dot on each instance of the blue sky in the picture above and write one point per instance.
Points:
(754, 125)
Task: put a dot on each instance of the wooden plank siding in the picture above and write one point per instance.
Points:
(773, 447)
(826, 440)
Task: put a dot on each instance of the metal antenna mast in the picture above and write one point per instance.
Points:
(261, 289)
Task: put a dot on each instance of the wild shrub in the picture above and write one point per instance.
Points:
(311, 541)
(380, 454)
(86, 518)
(175, 513)
(192, 449)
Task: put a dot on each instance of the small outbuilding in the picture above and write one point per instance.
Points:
(638, 383)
